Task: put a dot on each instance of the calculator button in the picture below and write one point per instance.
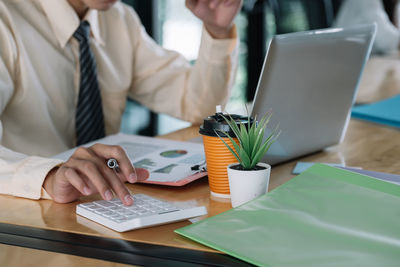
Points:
(109, 213)
(100, 211)
(116, 201)
(118, 209)
(117, 217)
(95, 207)
(91, 207)
(86, 204)
(107, 204)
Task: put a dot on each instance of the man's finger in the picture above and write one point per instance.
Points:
(118, 186)
(142, 174)
(90, 170)
(112, 179)
(76, 181)
(214, 3)
(190, 4)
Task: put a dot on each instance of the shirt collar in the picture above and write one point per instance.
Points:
(64, 21)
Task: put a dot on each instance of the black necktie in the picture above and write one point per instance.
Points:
(89, 112)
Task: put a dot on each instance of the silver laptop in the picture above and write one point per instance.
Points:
(309, 81)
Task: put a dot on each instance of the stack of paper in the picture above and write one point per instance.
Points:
(325, 216)
(383, 112)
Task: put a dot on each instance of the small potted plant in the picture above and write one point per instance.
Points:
(249, 178)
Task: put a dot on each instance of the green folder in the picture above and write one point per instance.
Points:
(323, 217)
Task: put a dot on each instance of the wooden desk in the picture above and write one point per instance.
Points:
(47, 225)
(20, 256)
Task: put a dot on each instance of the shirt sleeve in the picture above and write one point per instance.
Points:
(353, 12)
(165, 81)
(20, 175)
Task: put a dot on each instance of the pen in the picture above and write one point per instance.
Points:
(113, 164)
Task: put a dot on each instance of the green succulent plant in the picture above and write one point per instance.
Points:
(252, 146)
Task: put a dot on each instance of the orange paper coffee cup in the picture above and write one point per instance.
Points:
(218, 156)
(216, 165)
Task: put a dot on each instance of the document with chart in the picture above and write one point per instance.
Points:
(169, 162)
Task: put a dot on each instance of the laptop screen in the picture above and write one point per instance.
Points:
(309, 81)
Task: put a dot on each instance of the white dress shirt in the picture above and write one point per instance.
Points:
(39, 81)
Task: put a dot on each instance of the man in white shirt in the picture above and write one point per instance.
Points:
(40, 78)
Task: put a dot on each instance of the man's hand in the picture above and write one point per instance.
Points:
(86, 172)
(217, 15)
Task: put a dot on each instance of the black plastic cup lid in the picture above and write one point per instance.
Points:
(217, 123)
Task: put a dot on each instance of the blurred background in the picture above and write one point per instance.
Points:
(175, 27)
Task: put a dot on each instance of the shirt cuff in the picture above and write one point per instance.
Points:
(44, 194)
(217, 50)
(30, 175)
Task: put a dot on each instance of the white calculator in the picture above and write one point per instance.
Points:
(145, 211)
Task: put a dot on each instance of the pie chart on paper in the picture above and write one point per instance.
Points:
(173, 153)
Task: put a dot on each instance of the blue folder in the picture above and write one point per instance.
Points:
(384, 112)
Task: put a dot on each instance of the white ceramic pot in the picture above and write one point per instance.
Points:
(247, 185)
